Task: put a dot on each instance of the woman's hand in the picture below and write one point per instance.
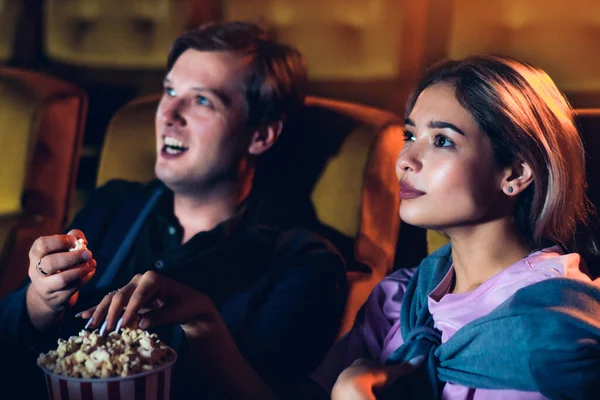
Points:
(152, 299)
(362, 379)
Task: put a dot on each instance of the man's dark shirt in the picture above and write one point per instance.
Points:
(280, 291)
(217, 262)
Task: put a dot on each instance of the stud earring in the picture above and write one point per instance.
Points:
(510, 189)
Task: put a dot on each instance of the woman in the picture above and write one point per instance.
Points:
(492, 158)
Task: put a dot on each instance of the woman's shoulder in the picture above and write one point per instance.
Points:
(400, 276)
(555, 262)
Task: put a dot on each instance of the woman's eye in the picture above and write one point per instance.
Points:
(409, 137)
(443, 141)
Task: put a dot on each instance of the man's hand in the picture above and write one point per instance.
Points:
(152, 299)
(362, 379)
(56, 275)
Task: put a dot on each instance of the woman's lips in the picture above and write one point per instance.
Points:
(409, 192)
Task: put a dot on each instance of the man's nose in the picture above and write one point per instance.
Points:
(172, 113)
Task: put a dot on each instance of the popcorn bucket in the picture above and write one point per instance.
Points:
(147, 385)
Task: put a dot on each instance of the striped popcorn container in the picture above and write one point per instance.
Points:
(149, 385)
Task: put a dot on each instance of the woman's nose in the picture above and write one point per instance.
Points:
(409, 159)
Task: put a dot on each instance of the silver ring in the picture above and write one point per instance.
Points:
(39, 268)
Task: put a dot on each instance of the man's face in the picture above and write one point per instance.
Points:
(200, 121)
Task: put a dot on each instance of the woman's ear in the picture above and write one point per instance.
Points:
(517, 178)
(264, 137)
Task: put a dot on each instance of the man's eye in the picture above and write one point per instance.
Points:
(170, 92)
(203, 101)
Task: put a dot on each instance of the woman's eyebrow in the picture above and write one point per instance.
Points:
(444, 125)
(435, 124)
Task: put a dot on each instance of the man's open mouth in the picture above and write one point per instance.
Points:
(173, 146)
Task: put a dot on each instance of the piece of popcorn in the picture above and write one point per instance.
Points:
(79, 244)
(90, 366)
(145, 342)
(107, 370)
(101, 355)
(61, 350)
(80, 357)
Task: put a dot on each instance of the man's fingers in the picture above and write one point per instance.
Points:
(119, 301)
(62, 296)
(78, 235)
(101, 310)
(67, 279)
(158, 317)
(147, 289)
(52, 263)
(86, 313)
(90, 275)
(51, 244)
(176, 303)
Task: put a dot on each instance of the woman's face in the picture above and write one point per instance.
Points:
(446, 169)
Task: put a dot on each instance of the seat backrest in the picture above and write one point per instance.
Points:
(60, 126)
(18, 107)
(337, 156)
(588, 123)
(560, 36)
(84, 32)
(129, 148)
(340, 156)
(352, 151)
(341, 39)
(59, 112)
(10, 11)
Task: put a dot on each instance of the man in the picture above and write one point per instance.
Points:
(227, 94)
